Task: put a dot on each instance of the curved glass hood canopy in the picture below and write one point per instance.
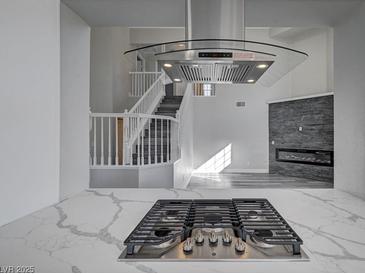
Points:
(215, 49)
(223, 60)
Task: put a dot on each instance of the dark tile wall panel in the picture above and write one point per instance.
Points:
(315, 116)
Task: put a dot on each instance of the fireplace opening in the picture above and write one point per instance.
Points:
(305, 156)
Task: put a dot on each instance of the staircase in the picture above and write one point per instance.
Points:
(146, 134)
(155, 139)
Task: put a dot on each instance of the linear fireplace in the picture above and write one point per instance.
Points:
(305, 156)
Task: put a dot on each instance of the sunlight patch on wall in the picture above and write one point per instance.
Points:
(218, 162)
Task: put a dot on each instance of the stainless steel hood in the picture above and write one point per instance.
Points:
(215, 49)
(214, 19)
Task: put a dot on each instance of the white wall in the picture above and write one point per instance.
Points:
(156, 176)
(29, 106)
(218, 122)
(349, 98)
(315, 74)
(184, 166)
(155, 35)
(75, 90)
(110, 80)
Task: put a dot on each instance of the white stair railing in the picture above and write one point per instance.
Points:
(110, 134)
(141, 82)
(146, 105)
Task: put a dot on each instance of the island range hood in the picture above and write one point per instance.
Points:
(215, 49)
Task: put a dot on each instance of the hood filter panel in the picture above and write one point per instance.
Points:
(214, 73)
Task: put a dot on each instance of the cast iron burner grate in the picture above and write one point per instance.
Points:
(256, 218)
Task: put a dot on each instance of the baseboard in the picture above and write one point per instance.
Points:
(237, 170)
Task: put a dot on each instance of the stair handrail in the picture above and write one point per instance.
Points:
(145, 105)
(128, 115)
(138, 106)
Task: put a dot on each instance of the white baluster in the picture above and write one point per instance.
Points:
(134, 85)
(161, 140)
(138, 143)
(109, 144)
(172, 141)
(134, 124)
(141, 84)
(95, 159)
(131, 91)
(149, 141)
(137, 85)
(127, 123)
(155, 141)
(167, 142)
(116, 142)
(142, 135)
(102, 141)
(129, 146)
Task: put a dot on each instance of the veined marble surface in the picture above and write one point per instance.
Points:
(252, 180)
(85, 233)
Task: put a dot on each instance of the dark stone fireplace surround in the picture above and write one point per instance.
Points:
(301, 138)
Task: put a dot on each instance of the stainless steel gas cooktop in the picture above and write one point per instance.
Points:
(237, 229)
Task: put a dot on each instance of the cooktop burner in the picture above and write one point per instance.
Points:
(237, 229)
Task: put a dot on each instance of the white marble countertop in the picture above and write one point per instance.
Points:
(86, 232)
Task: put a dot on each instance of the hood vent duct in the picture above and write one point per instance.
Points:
(215, 49)
(214, 19)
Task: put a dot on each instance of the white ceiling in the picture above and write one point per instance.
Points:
(131, 13)
(171, 13)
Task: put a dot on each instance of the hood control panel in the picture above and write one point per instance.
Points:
(215, 54)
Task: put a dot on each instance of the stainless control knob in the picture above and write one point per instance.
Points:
(227, 238)
(188, 245)
(240, 246)
(213, 239)
(199, 238)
